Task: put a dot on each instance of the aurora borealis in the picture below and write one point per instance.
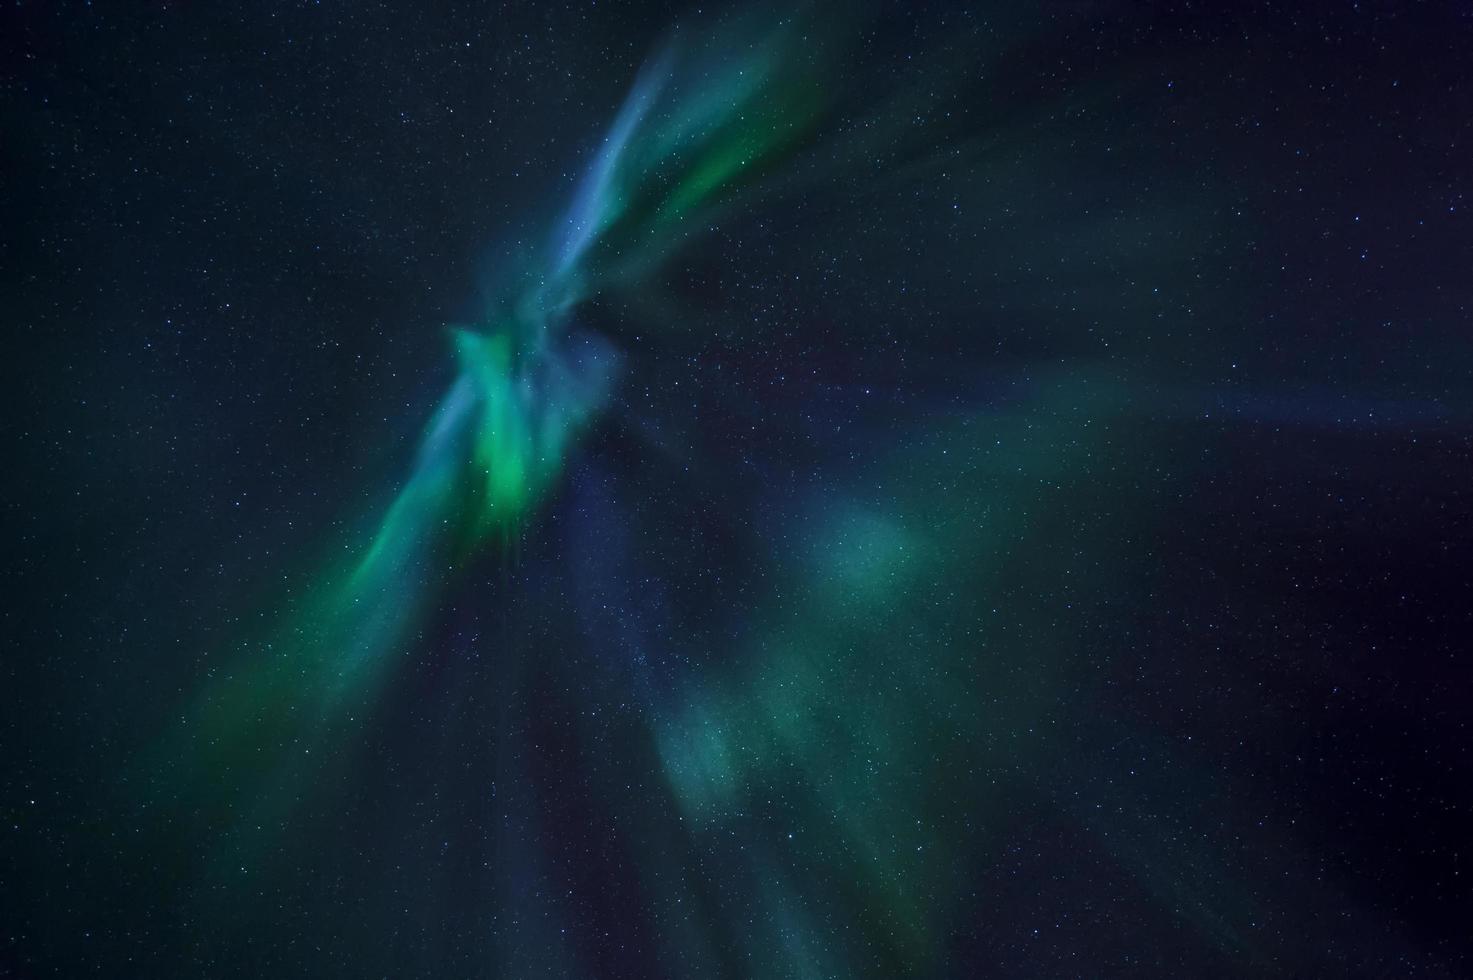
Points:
(742, 491)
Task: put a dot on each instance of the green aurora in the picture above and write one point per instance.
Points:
(801, 681)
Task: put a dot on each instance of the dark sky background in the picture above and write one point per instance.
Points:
(1177, 297)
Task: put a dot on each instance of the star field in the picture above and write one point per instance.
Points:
(638, 490)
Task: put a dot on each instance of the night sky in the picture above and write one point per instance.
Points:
(642, 490)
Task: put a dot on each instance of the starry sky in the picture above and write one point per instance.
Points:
(652, 490)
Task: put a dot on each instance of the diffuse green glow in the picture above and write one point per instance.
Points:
(860, 697)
